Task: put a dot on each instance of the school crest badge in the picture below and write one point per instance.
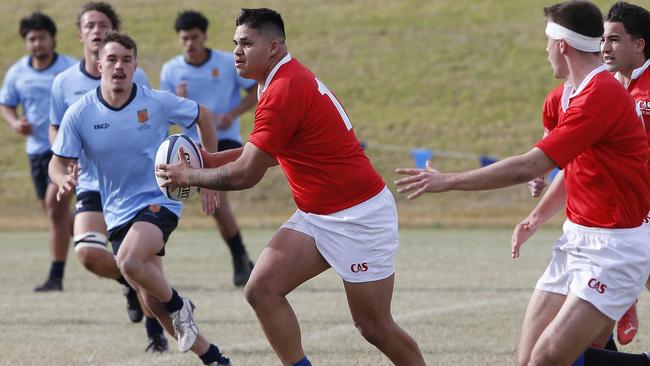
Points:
(143, 116)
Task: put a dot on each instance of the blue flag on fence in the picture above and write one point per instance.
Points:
(487, 160)
(420, 156)
(553, 174)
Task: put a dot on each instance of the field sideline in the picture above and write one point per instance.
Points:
(457, 292)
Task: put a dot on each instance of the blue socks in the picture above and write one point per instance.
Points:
(303, 362)
(213, 354)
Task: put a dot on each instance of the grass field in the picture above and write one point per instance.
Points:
(457, 292)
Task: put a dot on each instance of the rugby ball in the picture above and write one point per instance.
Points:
(168, 154)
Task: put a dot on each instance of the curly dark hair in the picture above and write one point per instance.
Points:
(102, 7)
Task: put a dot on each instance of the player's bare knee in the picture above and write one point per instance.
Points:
(129, 266)
(373, 332)
(258, 293)
(252, 293)
(87, 257)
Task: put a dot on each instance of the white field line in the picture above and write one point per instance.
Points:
(404, 317)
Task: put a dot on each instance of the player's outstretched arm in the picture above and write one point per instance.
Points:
(215, 160)
(242, 173)
(63, 172)
(504, 173)
(549, 205)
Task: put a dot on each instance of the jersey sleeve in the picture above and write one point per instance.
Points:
(551, 109)
(68, 141)
(180, 111)
(278, 118)
(57, 102)
(9, 95)
(578, 131)
(140, 77)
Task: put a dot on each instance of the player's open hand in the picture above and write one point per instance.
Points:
(421, 181)
(209, 201)
(22, 126)
(523, 231)
(70, 181)
(536, 186)
(175, 175)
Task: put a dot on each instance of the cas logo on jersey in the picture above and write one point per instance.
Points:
(644, 107)
(215, 72)
(143, 117)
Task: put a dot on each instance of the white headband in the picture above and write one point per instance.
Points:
(575, 40)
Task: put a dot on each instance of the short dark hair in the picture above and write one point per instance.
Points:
(191, 19)
(263, 20)
(635, 20)
(102, 7)
(36, 21)
(122, 38)
(579, 16)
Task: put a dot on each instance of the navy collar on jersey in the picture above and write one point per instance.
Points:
(209, 51)
(82, 68)
(134, 91)
(29, 62)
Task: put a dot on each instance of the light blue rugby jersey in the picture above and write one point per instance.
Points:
(214, 84)
(122, 143)
(30, 87)
(67, 88)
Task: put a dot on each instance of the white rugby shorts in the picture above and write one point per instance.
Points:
(606, 267)
(359, 242)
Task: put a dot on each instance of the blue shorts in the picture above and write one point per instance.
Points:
(88, 201)
(38, 165)
(160, 216)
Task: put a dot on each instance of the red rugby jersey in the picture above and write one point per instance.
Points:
(639, 88)
(600, 143)
(300, 123)
(552, 108)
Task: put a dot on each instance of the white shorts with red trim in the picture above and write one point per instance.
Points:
(606, 267)
(360, 242)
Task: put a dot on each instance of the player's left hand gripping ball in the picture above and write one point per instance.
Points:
(171, 170)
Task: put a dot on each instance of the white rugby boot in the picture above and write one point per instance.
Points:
(184, 326)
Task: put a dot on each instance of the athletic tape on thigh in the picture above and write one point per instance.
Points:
(90, 239)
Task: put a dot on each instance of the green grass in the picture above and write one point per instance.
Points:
(457, 292)
(451, 75)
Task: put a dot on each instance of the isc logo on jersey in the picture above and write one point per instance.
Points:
(168, 154)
